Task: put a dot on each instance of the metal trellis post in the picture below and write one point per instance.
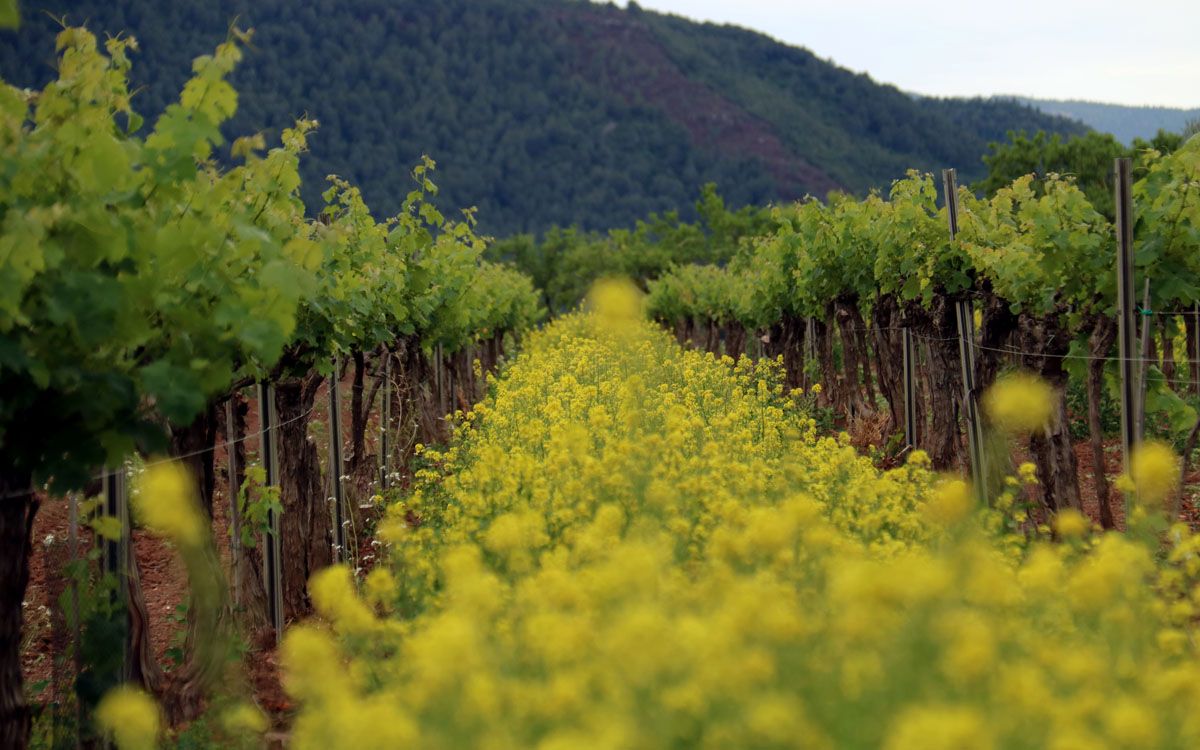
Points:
(965, 314)
(272, 571)
(335, 465)
(1126, 333)
(385, 421)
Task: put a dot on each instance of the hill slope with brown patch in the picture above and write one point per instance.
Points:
(538, 112)
(621, 54)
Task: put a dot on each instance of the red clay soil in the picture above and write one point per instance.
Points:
(1188, 510)
(164, 583)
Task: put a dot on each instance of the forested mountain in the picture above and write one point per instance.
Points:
(540, 112)
(1125, 122)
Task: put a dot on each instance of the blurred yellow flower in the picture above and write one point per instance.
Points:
(130, 717)
(380, 587)
(1154, 469)
(1019, 403)
(636, 544)
(950, 503)
(616, 300)
(336, 600)
(165, 503)
(940, 728)
(1071, 524)
(1131, 724)
(243, 719)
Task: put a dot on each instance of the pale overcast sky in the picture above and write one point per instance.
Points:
(1145, 52)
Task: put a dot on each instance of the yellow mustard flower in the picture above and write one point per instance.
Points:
(1154, 469)
(1019, 403)
(130, 717)
(165, 503)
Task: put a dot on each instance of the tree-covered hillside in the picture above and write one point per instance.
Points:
(1127, 123)
(540, 112)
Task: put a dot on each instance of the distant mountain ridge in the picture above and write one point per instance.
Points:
(540, 112)
(1123, 121)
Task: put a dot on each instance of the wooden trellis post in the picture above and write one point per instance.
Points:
(269, 449)
(1126, 332)
(965, 315)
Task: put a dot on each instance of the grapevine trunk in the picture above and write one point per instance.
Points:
(1104, 333)
(304, 523)
(17, 510)
(944, 379)
(997, 323)
(889, 358)
(1045, 342)
(192, 445)
(847, 317)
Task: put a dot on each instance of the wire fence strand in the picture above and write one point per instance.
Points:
(193, 454)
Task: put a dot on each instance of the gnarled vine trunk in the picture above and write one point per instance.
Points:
(17, 510)
(1045, 343)
(417, 415)
(193, 445)
(889, 358)
(253, 592)
(209, 638)
(795, 343)
(183, 696)
(997, 324)
(786, 337)
(864, 355)
(304, 524)
(1104, 333)
(854, 401)
(939, 326)
(680, 329)
(712, 337)
(735, 339)
(831, 393)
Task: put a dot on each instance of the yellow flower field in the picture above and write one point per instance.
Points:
(630, 545)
